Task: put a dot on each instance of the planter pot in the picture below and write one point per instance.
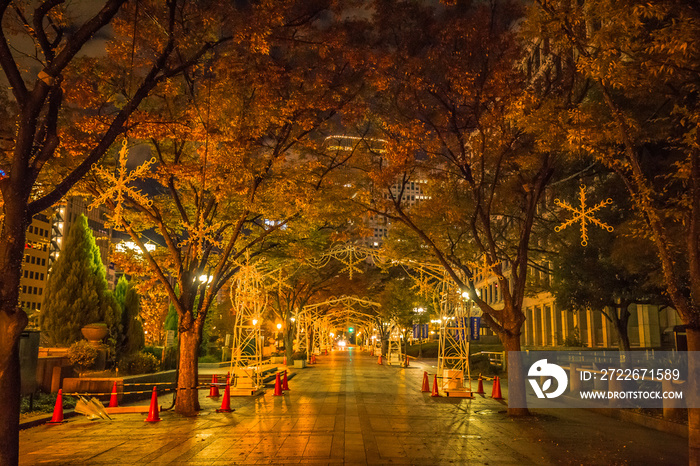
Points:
(94, 334)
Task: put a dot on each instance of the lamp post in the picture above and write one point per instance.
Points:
(277, 337)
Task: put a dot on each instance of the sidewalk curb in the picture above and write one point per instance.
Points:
(43, 419)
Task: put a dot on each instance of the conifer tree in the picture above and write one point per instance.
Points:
(132, 329)
(77, 293)
(130, 337)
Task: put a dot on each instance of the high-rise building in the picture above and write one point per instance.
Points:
(35, 264)
(68, 212)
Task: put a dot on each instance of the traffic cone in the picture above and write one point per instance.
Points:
(496, 392)
(113, 402)
(426, 383)
(435, 387)
(214, 388)
(285, 384)
(406, 360)
(153, 410)
(326, 352)
(313, 359)
(371, 352)
(480, 387)
(379, 360)
(278, 386)
(284, 361)
(226, 402)
(57, 417)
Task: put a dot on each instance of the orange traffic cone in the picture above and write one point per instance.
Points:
(153, 410)
(285, 384)
(435, 387)
(57, 417)
(371, 352)
(226, 402)
(278, 386)
(496, 392)
(284, 361)
(326, 352)
(406, 360)
(379, 360)
(480, 387)
(113, 401)
(426, 383)
(214, 388)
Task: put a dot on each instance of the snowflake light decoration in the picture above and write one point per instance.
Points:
(118, 189)
(199, 234)
(584, 215)
(422, 285)
(484, 266)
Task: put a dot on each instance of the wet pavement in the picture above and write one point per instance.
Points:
(347, 409)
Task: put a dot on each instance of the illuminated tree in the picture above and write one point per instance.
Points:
(639, 116)
(450, 99)
(37, 169)
(237, 159)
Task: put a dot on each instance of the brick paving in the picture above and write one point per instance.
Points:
(347, 409)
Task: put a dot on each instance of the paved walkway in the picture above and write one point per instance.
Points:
(349, 410)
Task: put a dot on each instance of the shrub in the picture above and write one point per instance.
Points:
(82, 354)
(45, 402)
(138, 363)
(156, 351)
(209, 358)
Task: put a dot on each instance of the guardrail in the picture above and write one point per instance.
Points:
(496, 358)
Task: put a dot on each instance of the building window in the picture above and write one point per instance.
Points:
(26, 274)
(32, 260)
(24, 288)
(38, 306)
(30, 229)
(42, 277)
(40, 290)
(33, 305)
(43, 261)
(31, 274)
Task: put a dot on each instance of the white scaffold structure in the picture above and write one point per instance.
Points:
(432, 281)
(249, 300)
(320, 321)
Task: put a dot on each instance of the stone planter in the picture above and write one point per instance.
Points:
(94, 333)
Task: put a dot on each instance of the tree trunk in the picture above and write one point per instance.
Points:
(12, 322)
(620, 319)
(693, 392)
(187, 401)
(516, 376)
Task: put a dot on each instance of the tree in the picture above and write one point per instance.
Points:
(639, 116)
(235, 163)
(131, 337)
(36, 171)
(601, 276)
(451, 103)
(77, 293)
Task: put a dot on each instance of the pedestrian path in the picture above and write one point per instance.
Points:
(347, 409)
